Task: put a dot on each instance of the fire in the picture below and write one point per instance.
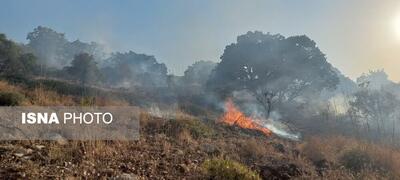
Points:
(233, 116)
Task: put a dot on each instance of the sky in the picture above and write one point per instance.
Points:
(356, 35)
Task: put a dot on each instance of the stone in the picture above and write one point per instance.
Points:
(39, 147)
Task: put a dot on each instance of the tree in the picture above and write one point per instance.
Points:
(76, 47)
(131, 69)
(374, 109)
(13, 62)
(48, 45)
(84, 69)
(273, 68)
(374, 79)
(54, 50)
(198, 73)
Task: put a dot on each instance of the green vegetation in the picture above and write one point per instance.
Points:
(13, 62)
(218, 168)
(84, 69)
(11, 98)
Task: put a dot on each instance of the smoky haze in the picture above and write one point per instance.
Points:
(284, 83)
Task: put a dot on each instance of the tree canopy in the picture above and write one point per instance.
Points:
(84, 69)
(13, 62)
(198, 73)
(279, 65)
(132, 69)
(54, 50)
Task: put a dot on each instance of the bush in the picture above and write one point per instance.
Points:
(218, 168)
(356, 160)
(11, 99)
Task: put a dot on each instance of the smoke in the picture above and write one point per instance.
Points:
(250, 106)
(155, 111)
(281, 130)
(275, 124)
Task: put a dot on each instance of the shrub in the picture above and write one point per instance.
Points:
(356, 160)
(218, 168)
(11, 99)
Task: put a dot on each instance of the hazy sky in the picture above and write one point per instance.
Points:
(356, 35)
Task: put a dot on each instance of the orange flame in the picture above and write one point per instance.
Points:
(233, 116)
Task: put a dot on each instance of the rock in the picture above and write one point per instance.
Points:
(27, 157)
(19, 154)
(126, 176)
(39, 147)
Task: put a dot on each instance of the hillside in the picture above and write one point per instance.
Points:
(273, 107)
(184, 146)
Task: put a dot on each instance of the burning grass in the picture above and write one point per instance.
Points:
(234, 117)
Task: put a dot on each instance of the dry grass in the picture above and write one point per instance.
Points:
(251, 149)
(43, 97)
(38, 96)
(376, 160)
(172, 137)
(6, 87)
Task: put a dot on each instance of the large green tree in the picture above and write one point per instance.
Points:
(48, 45)
(84, 69)
(131, 69)
(13, 62)
(198, 73)
(273, 68)
(54, 50)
